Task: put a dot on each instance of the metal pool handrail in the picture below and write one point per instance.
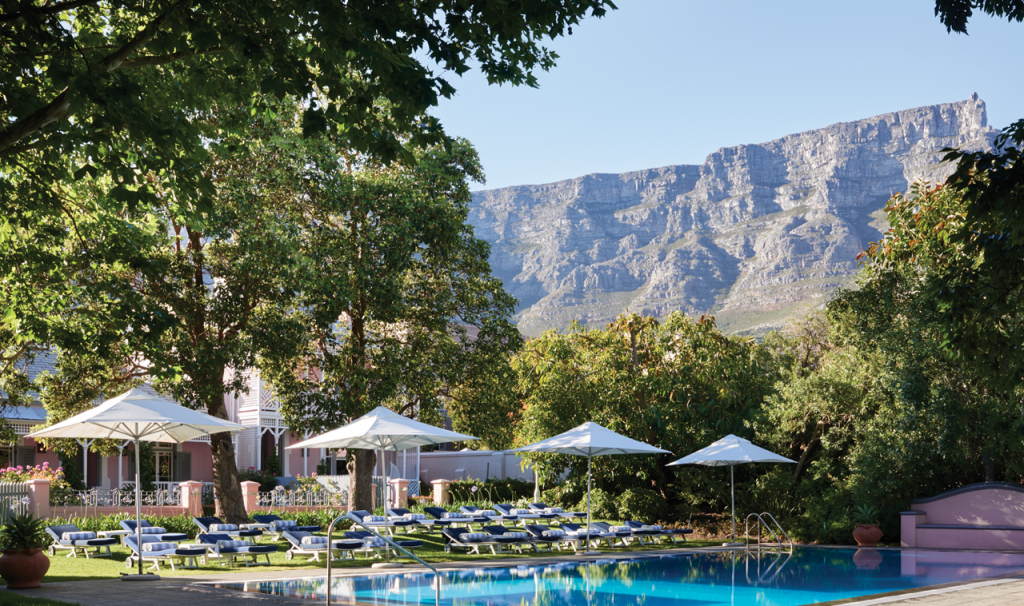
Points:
(356, 520)
(779, 526)
(760, 522)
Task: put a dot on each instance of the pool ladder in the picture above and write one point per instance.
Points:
(388, 541)
(761, 521)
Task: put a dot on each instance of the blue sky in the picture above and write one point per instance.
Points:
(662, 82)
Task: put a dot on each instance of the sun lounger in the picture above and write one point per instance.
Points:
(306, 543)
(377, 544)
(673, 534)
(518, 538)
(279, 525)
(156, 551)
(68, 536)
(542, 508)
(455, 518)
(233, 548)
(490, 515)
(506, 509)
(622, 534)
(581, 534)
(379, 522)
(542, 535)
(472, 541)
(418, 519)
(212, 525)
(149, 530)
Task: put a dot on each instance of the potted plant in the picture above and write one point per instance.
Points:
(867, 533)
(23, 563)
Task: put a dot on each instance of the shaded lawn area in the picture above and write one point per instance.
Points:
(14, 597)
(80, 569)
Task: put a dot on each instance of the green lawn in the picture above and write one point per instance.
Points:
(80, 569)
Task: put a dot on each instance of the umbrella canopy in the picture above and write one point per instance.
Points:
(731, 450)
(591, 440)
(141, 417)
(137, 415)
(387, 430)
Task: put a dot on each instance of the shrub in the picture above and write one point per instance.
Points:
(563, 495)
(602, 505)
(267, 479)
(493, 490)
(303, 483)
(641, 504)
(318, 517)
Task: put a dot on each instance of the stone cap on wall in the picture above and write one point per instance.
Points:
(971, 488)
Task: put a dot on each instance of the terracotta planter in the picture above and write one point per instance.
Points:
(867, 535)
(23, 569)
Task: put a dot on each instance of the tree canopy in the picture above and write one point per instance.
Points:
(129, 92)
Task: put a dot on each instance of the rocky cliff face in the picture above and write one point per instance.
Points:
(756, 234)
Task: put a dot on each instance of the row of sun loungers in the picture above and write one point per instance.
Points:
(230, 543)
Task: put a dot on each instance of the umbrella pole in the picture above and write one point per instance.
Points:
(732, 486)
(138, 501)
(387, 521)
(588, 499)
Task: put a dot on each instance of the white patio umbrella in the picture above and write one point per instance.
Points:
(140, 417)
(385, 430)
(591, 440)
(732, 451)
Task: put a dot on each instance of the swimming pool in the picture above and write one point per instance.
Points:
(807, 576)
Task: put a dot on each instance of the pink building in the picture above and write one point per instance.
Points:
(258, 410)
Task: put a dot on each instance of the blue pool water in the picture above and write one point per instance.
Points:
(704, 579)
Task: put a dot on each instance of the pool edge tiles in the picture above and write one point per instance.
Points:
(805, 576)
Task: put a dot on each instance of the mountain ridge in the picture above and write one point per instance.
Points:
(755, 234)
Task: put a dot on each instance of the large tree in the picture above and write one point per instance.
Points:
(176, 302)
(396, 305)
(678, 385)
(976, 255)
(125, 93)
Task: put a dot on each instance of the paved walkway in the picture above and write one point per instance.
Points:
(193, 591)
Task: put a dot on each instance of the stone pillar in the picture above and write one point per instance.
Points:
(441, 491)
(192, 498)
(250, 495)
(908, 527)
(399, 493)
(39, 498)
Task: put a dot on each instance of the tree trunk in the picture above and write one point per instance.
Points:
(360, 470)
(990, 468)
(227, 486)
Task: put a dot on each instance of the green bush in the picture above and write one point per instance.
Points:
(319, 517)
(642, 505)
(267, 479)
(493, 490)
(564, 496)
(602, 505)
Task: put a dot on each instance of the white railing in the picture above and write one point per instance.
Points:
(302, 498)
(13, 499)
(102, 497)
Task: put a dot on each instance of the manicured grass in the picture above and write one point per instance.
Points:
(80, 569)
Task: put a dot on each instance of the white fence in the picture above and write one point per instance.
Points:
(13, 499)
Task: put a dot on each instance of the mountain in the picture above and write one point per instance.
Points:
(755, 234)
